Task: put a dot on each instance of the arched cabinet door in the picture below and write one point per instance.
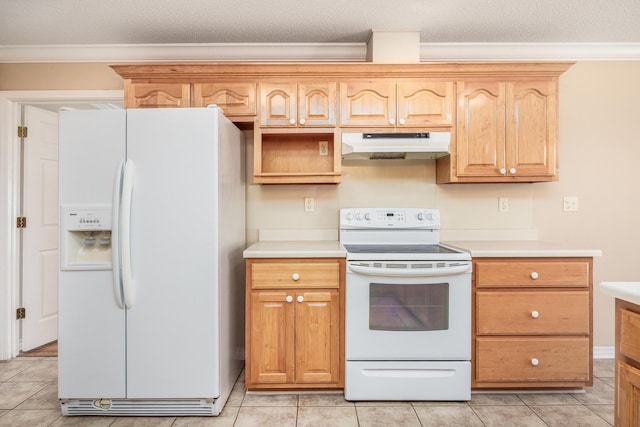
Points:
(235, 99)
(157, 95)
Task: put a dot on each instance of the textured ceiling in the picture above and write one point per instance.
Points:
(73, 22)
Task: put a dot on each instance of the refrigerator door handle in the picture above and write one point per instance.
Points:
(115, 236)
(128, 286)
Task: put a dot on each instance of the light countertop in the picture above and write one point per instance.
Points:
(628, 291)
(521, 248)
(296, 249)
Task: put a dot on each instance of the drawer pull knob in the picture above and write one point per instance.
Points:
(295, 276)
(535, 314)
(534, 275)
(300, 298)
(534, 362)
(289, 298)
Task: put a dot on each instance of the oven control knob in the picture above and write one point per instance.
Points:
(295, 276)
(358, 216)
(421, 216)
(367, 216)
(289, 298)
(348, 216)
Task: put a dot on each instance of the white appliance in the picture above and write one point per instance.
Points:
(408, 307)
(151, 280)
(395, 145)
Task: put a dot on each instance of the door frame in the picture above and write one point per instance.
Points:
(10, 182)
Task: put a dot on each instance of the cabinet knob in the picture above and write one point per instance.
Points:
(292, 121)
(300, 298)
(512, 171)
(534, 275)
(289, 298)
(392, 121)
(535, 314)
(302, 121)
(503, 171)
(295, 276)
(534, 362)
(402, 121)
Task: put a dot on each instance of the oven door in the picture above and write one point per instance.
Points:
(408, 310)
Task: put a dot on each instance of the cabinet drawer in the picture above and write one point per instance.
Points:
(287, 275)
(533, 313)
(630, 334)
(532, 273)
(514, 359)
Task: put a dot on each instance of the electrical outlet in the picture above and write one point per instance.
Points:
(309, 204)
(503, 204)
(570, 204)
(323, 148)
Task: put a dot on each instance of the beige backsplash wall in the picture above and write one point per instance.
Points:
(599, 152)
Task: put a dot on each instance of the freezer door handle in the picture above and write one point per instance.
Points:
(115, 236)
(128, 286)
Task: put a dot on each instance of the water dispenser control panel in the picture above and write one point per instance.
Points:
(85, 238)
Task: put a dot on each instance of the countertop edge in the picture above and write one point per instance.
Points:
(627, 291)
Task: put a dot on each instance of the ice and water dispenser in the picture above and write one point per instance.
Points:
(86, 238)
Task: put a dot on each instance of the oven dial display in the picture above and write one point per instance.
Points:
(391, 216)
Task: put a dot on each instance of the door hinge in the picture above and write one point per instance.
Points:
(21, 313)
(21, 222)
(22, 131)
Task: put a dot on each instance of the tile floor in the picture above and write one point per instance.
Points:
(28, 397)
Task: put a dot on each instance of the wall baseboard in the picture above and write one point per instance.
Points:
(604, 352)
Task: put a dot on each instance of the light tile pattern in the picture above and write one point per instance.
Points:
(28, 397)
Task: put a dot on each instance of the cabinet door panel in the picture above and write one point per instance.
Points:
(235, 99)
(272, 338)
(481, 128)
(628, 399)
(317, 337)
(425, 104)
(531, 127)
(278, 104)
(368, 104)
(157, 95)
(317, 104)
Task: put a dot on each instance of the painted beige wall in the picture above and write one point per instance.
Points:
(65, 76)
(599, 148)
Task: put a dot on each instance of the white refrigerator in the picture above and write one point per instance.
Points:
(151, 278)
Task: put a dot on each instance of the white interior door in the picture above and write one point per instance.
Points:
(40, 238)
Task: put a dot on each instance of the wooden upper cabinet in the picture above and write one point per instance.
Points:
(391, 104)
(425, 104)
(507, 131)
(368, 104)
(532, 128)
(235, 99)
(297, 105)
(157, 95)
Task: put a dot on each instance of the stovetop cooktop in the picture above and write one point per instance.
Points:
(399, 249)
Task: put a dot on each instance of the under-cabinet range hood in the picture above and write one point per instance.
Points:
(408, 145)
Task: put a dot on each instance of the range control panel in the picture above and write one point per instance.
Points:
(389, 218)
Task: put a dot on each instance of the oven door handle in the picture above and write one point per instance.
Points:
(413, 272)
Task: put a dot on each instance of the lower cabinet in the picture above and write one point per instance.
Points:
(627, 400)
(532, 323)
(295, 323)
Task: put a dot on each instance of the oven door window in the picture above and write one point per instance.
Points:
(411, 307)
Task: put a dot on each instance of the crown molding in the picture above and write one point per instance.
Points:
(315, 52)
